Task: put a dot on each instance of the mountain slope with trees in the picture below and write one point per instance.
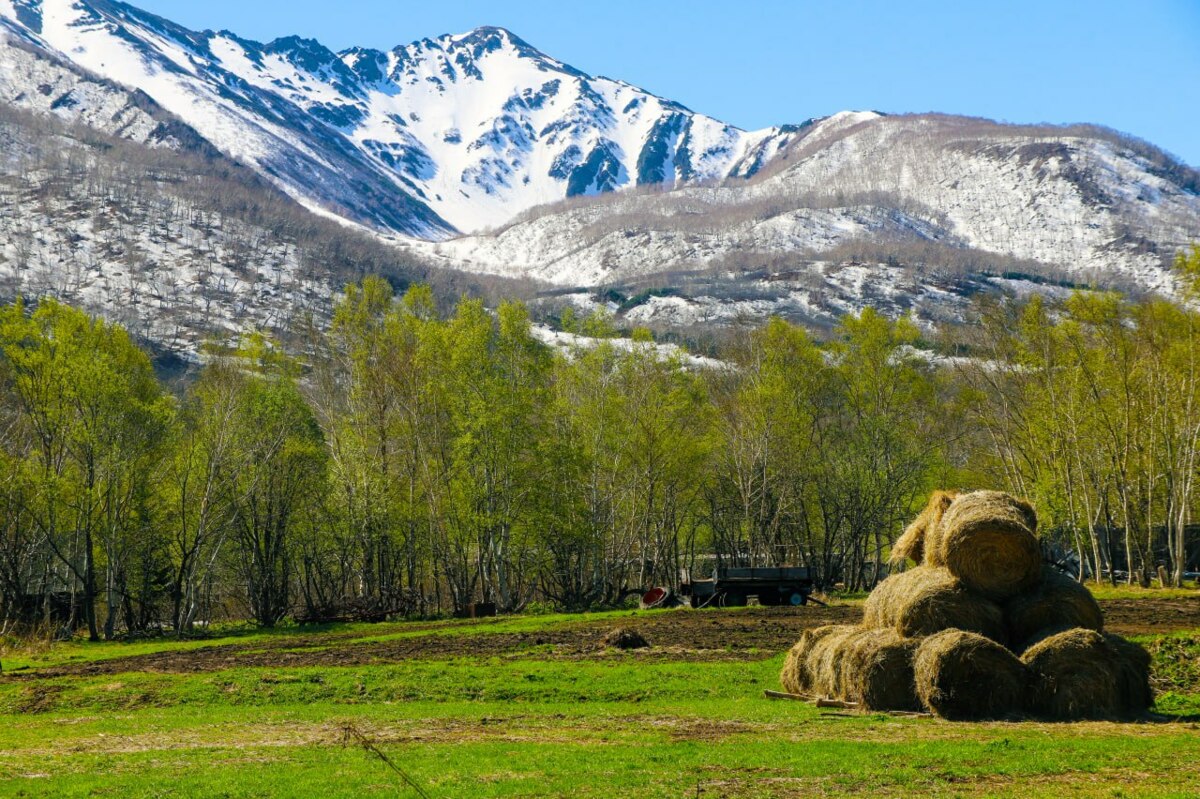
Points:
(179, 246)
(903, 213)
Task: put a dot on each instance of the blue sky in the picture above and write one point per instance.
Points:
(1130, 64)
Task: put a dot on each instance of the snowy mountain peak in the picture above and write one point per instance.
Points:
(481, 133)
(456, 133)
(477, 44)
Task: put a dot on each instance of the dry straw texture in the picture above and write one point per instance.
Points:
(795, 675)
(936, 635)
(824, 661)
(911, 545)
(1082, 674)
(1058, 603)
(986, 539)
(1133, 676)
(792, 676)
(1074, 675)
(871, 667)
(962, 676)
(877, 670)
(927, 600)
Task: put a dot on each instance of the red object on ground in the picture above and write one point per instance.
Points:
(654, 597)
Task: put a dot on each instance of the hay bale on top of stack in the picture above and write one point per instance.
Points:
(986, 540)
(980, 629)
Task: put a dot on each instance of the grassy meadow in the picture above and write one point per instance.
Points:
(527, 706)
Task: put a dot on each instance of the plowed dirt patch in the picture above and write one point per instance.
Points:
(1150, 616)
(682, 635)
(750, 634)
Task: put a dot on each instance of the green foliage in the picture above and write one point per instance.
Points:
(826, 450)
(88, 423)
(276, 479)
(1187, 264)
(1092, 408)
(1176, 660)
(413, 462)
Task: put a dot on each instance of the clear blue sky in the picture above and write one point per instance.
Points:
(1130, 64)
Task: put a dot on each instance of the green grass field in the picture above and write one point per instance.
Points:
(531, 718)
(1106, 591)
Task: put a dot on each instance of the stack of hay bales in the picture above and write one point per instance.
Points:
(980, 629)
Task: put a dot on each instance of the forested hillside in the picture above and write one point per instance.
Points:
(416, 461)
(176, 245)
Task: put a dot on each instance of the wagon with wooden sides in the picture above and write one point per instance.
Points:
(732, 586)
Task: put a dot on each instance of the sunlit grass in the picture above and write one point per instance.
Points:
(1123, 591)
(528, 724)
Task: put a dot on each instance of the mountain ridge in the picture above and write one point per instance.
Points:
(481, 154)
(912, 213)
(458, 131)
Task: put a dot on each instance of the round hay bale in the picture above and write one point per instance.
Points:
(795, 675)
(823, 663)
(624, 638)
(1133, 676)
(1075, 674)
(911, 544)
(792, 676)
(927, 600)
(961, 675)
(986, 539)
(1058, 603)
(877, 670)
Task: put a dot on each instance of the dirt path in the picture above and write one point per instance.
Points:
(1149, 616)
(684, 635)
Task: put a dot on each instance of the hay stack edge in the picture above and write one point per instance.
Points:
(981, 628)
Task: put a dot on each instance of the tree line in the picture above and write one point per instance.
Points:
(411, 461)
(1092, 408)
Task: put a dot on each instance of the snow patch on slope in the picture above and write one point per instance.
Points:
(1087, 206)
(470, 129)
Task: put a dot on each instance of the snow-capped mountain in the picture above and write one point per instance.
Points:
(1079, 203)
(481, 154)
(439, 136)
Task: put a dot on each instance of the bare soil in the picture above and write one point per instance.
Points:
(1150, 616)
(749, 634)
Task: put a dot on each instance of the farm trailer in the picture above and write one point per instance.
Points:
(732, 586)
